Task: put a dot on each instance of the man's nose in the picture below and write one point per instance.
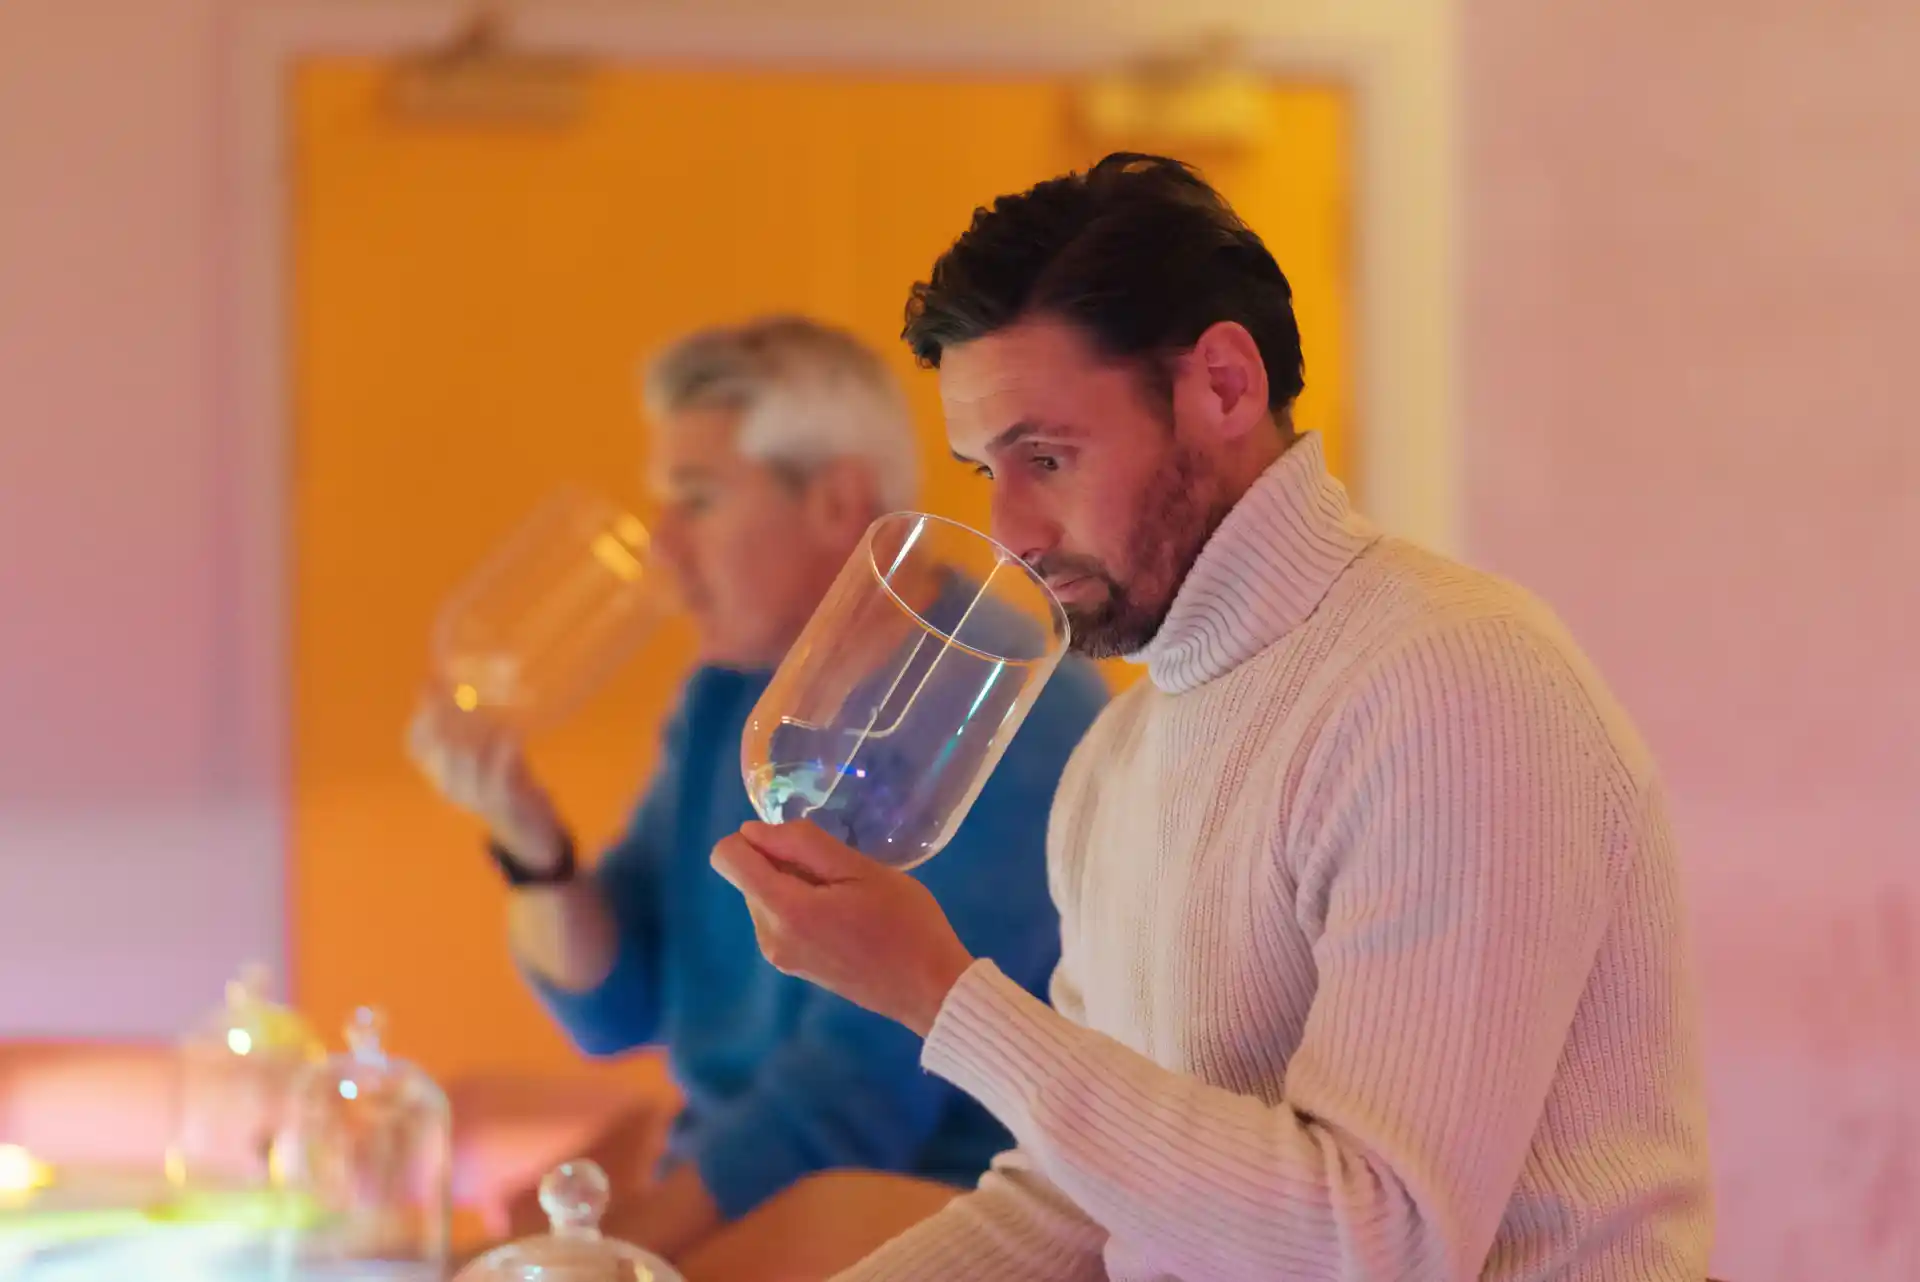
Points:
(1019, 526)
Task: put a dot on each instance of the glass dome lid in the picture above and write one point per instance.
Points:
(236, 1067)
(367, 1154)
(574, 1195)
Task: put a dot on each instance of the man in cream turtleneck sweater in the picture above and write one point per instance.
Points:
(1374, 964)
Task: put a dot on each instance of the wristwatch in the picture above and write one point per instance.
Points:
(518, 874)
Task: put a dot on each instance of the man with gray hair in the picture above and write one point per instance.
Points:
(775, 444)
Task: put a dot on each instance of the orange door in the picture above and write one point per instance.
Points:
(470, 305)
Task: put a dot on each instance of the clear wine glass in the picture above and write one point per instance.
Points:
(549, 615)
(887, 716)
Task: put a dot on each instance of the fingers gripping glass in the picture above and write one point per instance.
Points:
(890, 712)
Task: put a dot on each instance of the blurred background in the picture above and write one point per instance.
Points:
(303, 304)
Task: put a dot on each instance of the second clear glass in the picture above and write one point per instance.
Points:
(551, 613)
(887, 716)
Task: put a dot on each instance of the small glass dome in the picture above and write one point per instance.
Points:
(366, 1157)
(236, 1070)
(574, 1196)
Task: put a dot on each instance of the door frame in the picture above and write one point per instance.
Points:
(1403, 312)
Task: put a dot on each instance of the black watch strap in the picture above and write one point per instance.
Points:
(518, 874)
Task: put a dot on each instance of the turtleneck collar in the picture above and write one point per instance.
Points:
(1262, 573)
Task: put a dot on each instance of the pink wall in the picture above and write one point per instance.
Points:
(138, 863)
(1692, 275)
(1692, 285)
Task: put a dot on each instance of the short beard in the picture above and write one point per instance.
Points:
(1174, 515)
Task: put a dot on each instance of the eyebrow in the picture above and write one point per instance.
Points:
(1019, 432)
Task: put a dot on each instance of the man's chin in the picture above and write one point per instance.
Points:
(1106, 633)
(735, 653)
(1098, 642)
(734, 661)
(711, 651)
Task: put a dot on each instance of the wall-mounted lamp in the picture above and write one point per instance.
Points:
(477, 78)
(1202, 98)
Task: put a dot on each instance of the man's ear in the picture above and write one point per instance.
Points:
(1223, 383)
(842, 499)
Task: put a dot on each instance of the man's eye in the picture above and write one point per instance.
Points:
(1046, 463)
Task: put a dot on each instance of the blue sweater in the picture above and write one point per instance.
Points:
(782, 1079)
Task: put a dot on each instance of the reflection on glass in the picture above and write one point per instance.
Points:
(888, 715)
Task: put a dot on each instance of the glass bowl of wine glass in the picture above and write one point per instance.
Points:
(554, 609)
(890, 712)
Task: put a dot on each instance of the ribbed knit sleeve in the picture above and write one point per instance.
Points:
(1454, 846)
(1016, 1227)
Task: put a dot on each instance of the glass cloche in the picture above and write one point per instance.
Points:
(367, 1154)
(574, 1196)
(236, 1071)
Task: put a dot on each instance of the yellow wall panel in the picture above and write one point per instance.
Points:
(470, 305)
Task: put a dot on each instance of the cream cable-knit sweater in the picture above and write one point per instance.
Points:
(1374, 959)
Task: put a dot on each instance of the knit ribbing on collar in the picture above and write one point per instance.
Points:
(1264, 571)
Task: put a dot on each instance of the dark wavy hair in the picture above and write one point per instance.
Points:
(1138, 252)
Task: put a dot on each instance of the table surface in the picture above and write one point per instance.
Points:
(91, 1227)
(202, 1254)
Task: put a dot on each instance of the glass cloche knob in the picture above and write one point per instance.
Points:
(574, 1195)
(363, 1034)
